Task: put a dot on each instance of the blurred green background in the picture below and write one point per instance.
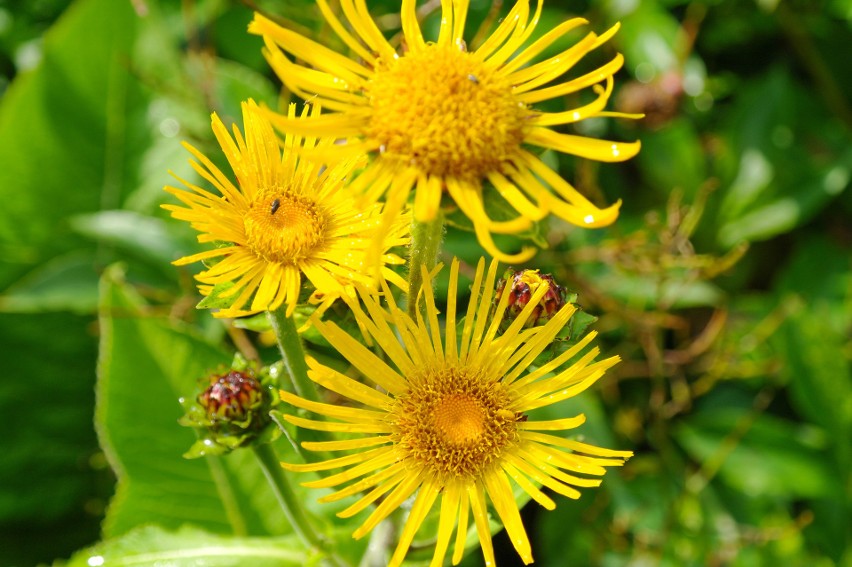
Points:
(725, 286)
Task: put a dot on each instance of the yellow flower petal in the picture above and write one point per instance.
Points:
(452, 425)
(440, 120)
(288, 217)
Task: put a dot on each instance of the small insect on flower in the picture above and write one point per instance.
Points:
(282, 221)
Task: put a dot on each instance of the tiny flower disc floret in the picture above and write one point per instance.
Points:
(447, 123)
(453, 421)
(284, 219)
(445, 112)
(284, 227)
(447, 420)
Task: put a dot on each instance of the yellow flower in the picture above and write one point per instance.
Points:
(449, 419)
(438, 118)
(285, 217)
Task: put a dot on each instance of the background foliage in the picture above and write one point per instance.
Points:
(725, 285)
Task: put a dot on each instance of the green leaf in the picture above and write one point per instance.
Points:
(819, 270)
(236, 83)
(842, 9)
(190, 547)
(782, 179)
(577, 325)
(672, 158)
(819, 374)
(65, 133)
(785, 213)
(147, 237)
(772, 458)
(146, 364)
(678, 290)
(47, 468)
(64, 283)
(649, 35)
(213, 300)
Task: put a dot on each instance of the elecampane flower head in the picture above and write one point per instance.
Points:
(286, 217)
(437, 118)
(447, 419)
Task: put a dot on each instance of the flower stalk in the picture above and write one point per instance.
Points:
(292, 354)
(290, 504)
(426, 238)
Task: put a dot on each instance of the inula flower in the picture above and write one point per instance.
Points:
(439, 118)
(451, 418)
(285, 217)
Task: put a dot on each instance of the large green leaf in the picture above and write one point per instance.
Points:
(761, 456)
(63, 148)
(46, 473)
(64, 283)
(783, 179)
(144, 236)
(146, 364)
(813, 340)
(672, 158)
(819, 374)
(819, 271)
(65, 136)
(649, 35)
(190, 547)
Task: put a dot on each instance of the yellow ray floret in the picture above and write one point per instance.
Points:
(440, 119)
(445, 420)
(284, 218)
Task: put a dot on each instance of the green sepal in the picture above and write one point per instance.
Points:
(214, 299)
(569, 335)
(209, 447)
(258, 323)
(577, 325)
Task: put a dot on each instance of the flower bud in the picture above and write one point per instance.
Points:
(231, 397)
(521, 286)
(232, 410)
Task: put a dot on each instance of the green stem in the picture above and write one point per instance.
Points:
(425, 244)
(271, 467)
(290, 345)
(293, 356)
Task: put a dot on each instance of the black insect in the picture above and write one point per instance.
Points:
(275, 204)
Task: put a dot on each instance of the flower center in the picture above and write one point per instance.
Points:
(458, 419)
(445, 112)
(453, 421)
(283, 227)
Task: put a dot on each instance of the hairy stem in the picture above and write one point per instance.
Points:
(426, 240)
(293, 355)
(290, 504)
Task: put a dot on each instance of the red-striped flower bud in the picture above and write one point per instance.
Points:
(233, 409)
(521, 286)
